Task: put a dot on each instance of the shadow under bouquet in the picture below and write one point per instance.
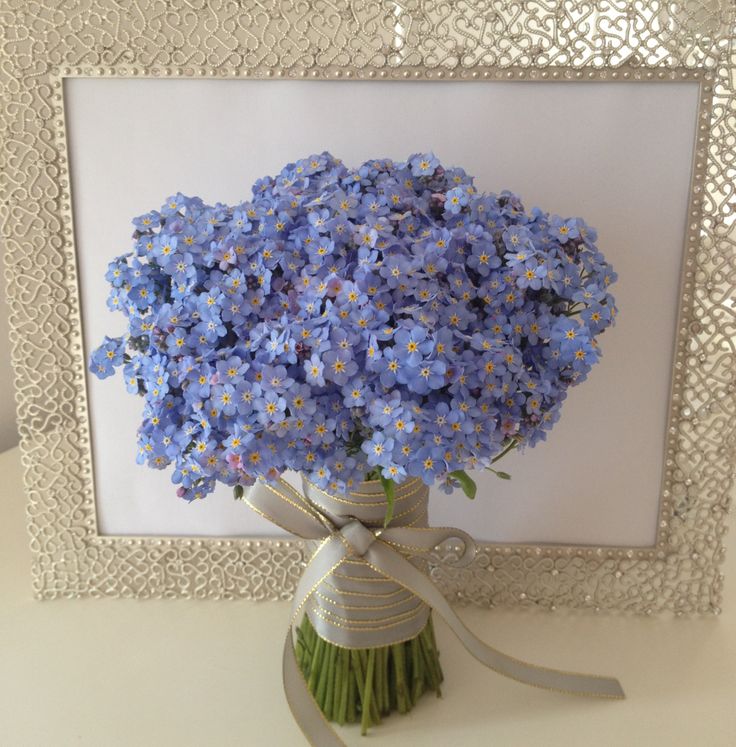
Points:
(378, 330)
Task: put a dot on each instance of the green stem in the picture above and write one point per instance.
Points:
(365, 721)
(416, 673)
(322, 682)
(315, 665)
(342, 709)
(402, 700)
(369, 703)
(352, 716)
(432, 655)
(330, 687)
(359, 675)
(386, 690)
(363, 685)
(299, 650)
(378, 692)
(509, 447)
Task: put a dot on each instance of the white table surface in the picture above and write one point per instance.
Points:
(122, 672)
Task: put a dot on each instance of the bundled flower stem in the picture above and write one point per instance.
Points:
(363, 685)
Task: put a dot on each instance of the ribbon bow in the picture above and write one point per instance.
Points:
(346, 537)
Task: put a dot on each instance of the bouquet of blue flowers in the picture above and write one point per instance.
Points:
(387, 323)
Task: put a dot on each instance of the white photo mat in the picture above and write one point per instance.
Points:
(649, 538)
(623, 162)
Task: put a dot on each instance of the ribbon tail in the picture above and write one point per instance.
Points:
(387, 561)
(304, 708)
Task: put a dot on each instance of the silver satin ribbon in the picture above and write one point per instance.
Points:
(344, 539)
(358, 607)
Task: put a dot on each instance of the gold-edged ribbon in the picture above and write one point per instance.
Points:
(343, 538)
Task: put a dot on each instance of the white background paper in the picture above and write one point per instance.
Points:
(616, 154)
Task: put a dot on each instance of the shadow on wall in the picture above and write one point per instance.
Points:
(8, 430)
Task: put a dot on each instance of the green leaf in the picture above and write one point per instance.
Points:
(388, 489)
(502, 475)
(238, 492)
(466, 482)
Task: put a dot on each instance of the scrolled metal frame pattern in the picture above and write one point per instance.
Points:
(600, 40)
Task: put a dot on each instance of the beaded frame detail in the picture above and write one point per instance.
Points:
(563, 40)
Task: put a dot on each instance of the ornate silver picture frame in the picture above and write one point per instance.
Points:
(568, 42)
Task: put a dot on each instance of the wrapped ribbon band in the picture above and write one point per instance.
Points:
(344, 539)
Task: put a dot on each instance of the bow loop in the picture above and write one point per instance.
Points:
(423, 540)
